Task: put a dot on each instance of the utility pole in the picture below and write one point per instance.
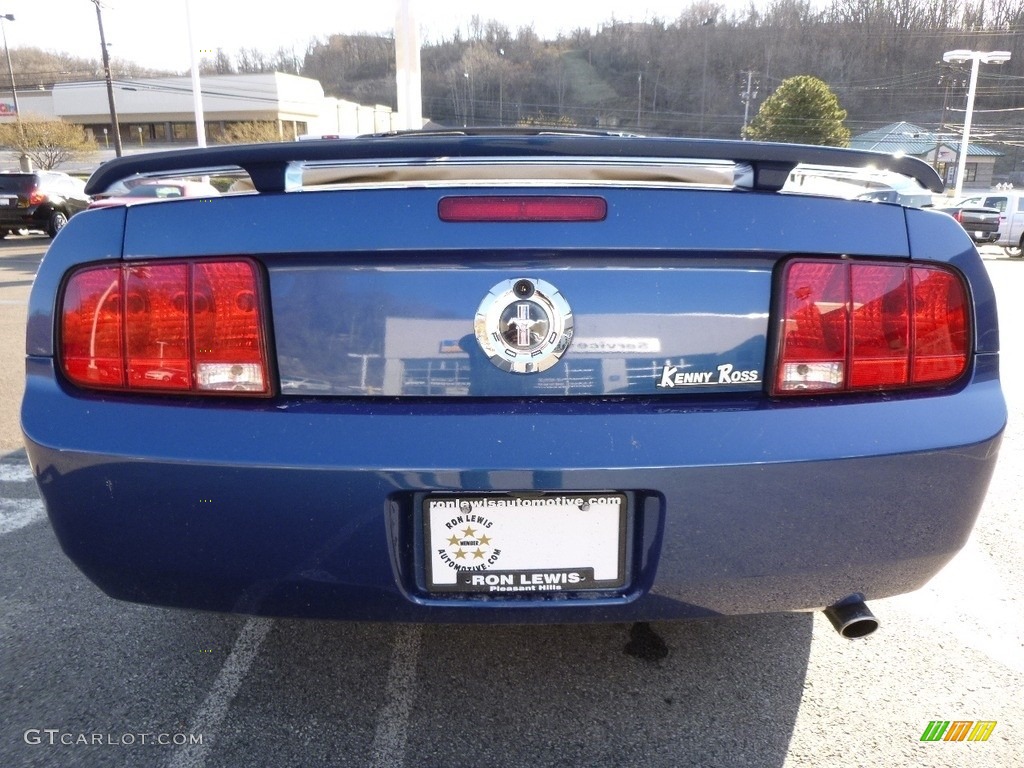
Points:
(639, 95)
(708, 22)
(501, 87)
(947, 79)
(110, 85)
(746, 97)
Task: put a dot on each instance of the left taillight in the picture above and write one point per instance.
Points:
(860, 325)
(188, 327)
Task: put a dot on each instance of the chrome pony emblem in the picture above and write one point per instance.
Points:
(524, 325)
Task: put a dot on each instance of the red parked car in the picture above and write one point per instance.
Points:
(158, 189)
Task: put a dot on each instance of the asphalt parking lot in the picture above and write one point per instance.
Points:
(88, 681)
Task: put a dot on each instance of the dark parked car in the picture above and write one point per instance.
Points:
(515, 377)
(981, 223)
(41, 200)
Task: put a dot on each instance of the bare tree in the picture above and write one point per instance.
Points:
(256, 132)
(47, 142)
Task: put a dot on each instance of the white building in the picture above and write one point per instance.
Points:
(160, 110)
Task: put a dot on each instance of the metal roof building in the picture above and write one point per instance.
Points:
(940, 150)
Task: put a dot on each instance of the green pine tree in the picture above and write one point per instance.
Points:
(803, 110)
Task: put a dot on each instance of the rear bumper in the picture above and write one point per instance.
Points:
(23, 217)
(310, 508)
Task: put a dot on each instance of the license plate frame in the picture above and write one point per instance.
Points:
(525, 544)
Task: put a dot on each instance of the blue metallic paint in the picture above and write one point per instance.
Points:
(333, 221)
(300, 495)
(308, 506)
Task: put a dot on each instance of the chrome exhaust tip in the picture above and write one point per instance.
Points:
(852, 618)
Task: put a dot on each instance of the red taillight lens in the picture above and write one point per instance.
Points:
(522, 208)
(156, 327)
(941, 326)
(36, 197)
(187, 327)
(92, 328)
(880, 327)
(848, 325)
(226, 311)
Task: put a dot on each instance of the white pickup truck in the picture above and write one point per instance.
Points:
(1010, 204)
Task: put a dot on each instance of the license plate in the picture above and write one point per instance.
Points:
(522, 544)
(7, 202)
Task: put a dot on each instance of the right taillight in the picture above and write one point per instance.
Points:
(188, 327)
(862, 325)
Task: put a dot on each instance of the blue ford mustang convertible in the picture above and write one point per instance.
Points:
(512, 377)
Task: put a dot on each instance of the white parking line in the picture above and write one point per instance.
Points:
(17, 513)
(211, 715)
(969, 600)
(15, 473)
(388, 748)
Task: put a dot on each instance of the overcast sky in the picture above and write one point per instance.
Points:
(154, 33)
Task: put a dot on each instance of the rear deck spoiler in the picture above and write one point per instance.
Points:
(278, 167)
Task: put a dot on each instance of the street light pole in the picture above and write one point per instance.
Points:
(197, 94)
(975, 57)
(118, 150)
(26, 164)
(10, 67)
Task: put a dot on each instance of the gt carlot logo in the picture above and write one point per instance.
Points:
(958, 730)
